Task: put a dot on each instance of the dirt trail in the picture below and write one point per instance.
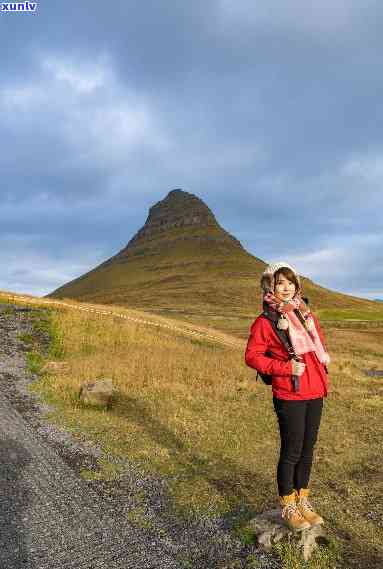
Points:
(137, 317)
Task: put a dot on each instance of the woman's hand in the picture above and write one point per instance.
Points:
(298, 367)
(326, 359)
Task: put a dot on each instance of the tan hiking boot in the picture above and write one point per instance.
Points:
(306, 508)
(290, 513)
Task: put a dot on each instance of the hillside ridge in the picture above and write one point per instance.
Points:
(182, 263)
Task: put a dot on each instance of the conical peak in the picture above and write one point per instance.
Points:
(177, 194)
(180, 208)
(180, 216)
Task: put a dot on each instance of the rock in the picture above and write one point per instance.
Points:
(269, 529)
(373, 372)
(55, 367)
(99, 392)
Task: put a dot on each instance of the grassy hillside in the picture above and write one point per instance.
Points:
(189, 409)
(202, 282)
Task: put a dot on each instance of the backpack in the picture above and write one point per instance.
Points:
(284, 338)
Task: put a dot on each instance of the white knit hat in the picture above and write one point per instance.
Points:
(268, 275)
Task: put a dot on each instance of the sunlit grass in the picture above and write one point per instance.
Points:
(351, 314)
(190, 410)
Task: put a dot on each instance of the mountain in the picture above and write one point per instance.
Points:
(183, 263)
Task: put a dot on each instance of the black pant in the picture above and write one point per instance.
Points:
(298, 426)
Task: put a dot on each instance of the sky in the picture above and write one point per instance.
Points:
(269, 111)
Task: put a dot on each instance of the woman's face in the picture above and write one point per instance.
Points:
(284, 289)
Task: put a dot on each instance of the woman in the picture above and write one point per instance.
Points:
(298, 405)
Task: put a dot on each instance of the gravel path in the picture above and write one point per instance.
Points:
(50, 518)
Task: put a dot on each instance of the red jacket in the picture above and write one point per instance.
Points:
(313, 381)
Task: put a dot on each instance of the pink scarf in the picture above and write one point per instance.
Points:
(303, 334)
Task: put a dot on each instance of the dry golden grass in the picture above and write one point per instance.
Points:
(189, 409)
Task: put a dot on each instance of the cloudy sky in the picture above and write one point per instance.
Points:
(270, 111)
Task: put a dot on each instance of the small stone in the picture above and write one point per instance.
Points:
(55, 367)
(98, 392)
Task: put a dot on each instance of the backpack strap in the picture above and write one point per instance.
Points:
(285, 339)
(282, 334)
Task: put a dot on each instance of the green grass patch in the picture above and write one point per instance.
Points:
(35, 362)
(245, 534)
(351, 314)
(26, 338)
(291, 557)
(43, 321)
(107, 471)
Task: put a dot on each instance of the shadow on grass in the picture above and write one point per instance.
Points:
(233, 482)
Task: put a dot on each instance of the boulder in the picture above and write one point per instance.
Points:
(98, 392)
(269, 528)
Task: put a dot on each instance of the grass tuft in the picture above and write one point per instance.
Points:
(290, 555)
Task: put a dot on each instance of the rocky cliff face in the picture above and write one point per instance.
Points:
(180, 211)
